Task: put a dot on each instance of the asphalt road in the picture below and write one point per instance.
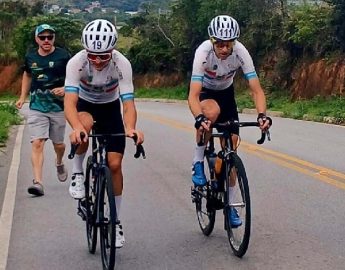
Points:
(297, 184)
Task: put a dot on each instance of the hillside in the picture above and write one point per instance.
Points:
(123, 5)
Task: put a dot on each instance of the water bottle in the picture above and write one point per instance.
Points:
(218, 167)
(211, 160)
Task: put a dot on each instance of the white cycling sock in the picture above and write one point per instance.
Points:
(199, 153)
(78, 163)
(231, 194)
(118, 200)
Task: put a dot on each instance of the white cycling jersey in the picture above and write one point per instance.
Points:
(113, 82)
(217, 74)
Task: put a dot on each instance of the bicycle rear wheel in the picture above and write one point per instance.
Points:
(238, 236)
(90, 207)
(108, 217)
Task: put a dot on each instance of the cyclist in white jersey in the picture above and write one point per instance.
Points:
(211, 95)
(97, 78)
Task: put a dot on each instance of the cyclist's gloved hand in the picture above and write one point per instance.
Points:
(136, 133)
(199, 120)
(264, 121)
(76, 135)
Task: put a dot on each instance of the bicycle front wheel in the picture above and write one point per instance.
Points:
(90, 207)
(108, 217)
(238, 232)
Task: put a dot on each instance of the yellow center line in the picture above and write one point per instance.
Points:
(321, 173)
(321, 170)
(306, 171)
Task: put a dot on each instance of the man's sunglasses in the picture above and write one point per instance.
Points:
(103, 57)
(49, 37)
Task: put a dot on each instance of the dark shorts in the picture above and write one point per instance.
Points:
(226, 102)
(108, 120)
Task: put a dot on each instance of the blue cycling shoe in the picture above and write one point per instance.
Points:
(198, 174)
(234, 219)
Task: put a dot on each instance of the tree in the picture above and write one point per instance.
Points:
(68, 33)
(10, 14)
(310, 29)
(338, 20)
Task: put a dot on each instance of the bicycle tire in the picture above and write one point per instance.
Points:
(108, 218)
(202, 196)
(206, 216)
(238, 236)
(90, 206)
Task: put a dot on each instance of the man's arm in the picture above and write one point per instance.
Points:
(130, 120)
(258, 95)
(26, 83)
(129, 115)
(259, 99)
(193, 98)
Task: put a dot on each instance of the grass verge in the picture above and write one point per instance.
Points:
(9, 116)
(319, 109)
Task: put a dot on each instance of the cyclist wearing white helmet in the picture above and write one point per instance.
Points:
(211, 96)
(97, 78)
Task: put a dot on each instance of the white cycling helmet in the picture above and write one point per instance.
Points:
(99, 36)
(224, 27)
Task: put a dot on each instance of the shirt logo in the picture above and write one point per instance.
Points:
(42, 78)
(51, 64)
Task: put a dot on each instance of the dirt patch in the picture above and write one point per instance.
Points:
(10, 79)
(307, 80)
(319, 78)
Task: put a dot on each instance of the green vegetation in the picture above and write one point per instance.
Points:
(318, 109)
(8, 116)
(179, 93)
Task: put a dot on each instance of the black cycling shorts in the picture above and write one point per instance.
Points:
(108, 119)
(226, 102)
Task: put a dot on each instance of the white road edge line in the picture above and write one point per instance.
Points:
(6, 216)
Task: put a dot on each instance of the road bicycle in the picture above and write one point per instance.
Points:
(98, 208)
(219, 168)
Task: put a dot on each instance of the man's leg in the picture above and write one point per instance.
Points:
(235, 220)
(37, 159)
(37, 164)
(211, 111)
(57, 127)
(115, 166)
(60, 151)
(62, 173)
(77, 188)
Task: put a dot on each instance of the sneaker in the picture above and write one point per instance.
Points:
(120, 238)
(198, 174)
(77, 188)
(61, 172)
(36, 189)
(234, 218)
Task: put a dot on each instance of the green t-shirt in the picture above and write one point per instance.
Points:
(47, 72)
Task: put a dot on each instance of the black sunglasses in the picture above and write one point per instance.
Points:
(49, 37)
